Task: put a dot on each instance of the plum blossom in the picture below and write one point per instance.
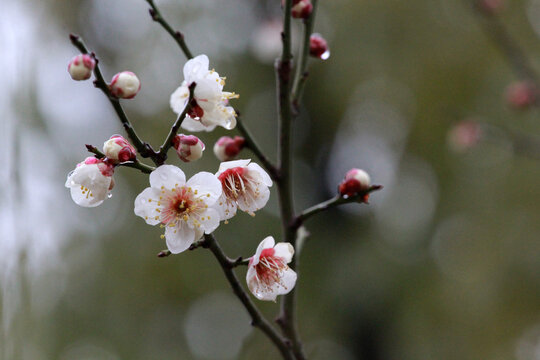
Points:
(268, 274)
(209, 105)
(228, 148)
(188, 147)
(125, 85)
(356, 181)
(81, 67)
(118, 149)
(183, 208)
(90, 182)
(245, 186)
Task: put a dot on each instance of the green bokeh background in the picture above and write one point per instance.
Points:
(445, 263)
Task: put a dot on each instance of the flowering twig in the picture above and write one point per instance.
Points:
(177, 35)
(331, 203)
(135, 164)
(144, 149)
(257, 318)
(161, 155)
(254, 147)
(301, 69)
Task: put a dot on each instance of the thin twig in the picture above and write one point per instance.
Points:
(253, 146)
(144, 149)
(301, 69)
(257, 319)
(177, 35)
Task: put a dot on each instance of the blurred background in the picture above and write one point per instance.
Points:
(444, 263)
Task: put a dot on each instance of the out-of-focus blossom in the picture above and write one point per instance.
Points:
(125, 85)
(188, 147)
(245, 185)
(356, 181)
(464, 136)
(118, 149)
(227, 148)
(268, 274)
(90, 182)
(184, 209)
(209, 105)
(318, 47)
(490, 6)
(81, 67)
(301, 9)
(521, 94)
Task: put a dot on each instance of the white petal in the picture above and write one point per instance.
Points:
(210, 220)
(207, 185)
(146, 206)
(285, 251)
(179, 98)
(264, 175)
(168, 176)
(231, 164)
(268, 242)
(84, 200)
(180, 238)
(251, 280)
(207, 93)
(251, 202)
(196, 67)
(194, 125)
(288, 280)
(226, 209)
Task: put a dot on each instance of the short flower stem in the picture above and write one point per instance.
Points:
(257, 318)
(252, 145)
(301, 70)
(177, 35)
(143, 148)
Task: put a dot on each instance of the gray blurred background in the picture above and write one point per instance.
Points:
(444, 263)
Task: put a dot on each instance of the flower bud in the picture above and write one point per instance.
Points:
(125, 85)
(521, 94)
(81, 67)
(188, 147)
(318, 47)
(227, 148)
(301, 9)
(118, 149)
(355, 181)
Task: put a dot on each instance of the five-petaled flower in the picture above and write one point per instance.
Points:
(90, 182)
(245, 185)
(185, 209)
(209, 105)
(268, 274)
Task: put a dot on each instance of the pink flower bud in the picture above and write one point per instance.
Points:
(81, 67)
(318, 47)
(490, 7)
(188, 147)
(464, 136)
(118, 149)
(227, 148)
(301, 9)
(521, 94)
(356, 181)
(125, 85)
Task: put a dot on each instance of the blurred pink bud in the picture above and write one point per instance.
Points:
(464, 136)
(521, 94)
(188, 147)
(125, 85)
(318, 47)
(490, 6)
(227, 148)
(81, 67)
(301, 9)
(356, 181)
(118, 149)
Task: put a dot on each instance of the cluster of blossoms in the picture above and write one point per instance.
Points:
(188, 209)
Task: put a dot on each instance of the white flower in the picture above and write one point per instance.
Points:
(244, 185)
(268, 274)
(184, 209)
(90, 182)
(209, 106)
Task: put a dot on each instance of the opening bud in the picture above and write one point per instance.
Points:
(81, 67)
(118, 149)
(227, 148)
(521, 94)
(125, 85)
(188, 147)
(356, 181)
(318, 47)
(301, 9)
